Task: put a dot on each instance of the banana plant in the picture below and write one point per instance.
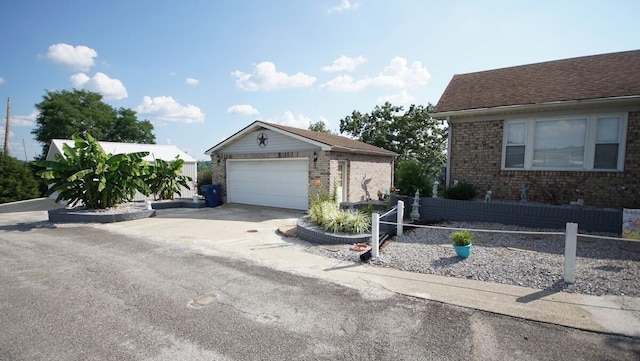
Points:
(86, 175)
(166, 180)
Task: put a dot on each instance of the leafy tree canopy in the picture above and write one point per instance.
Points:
(319, 126)
(413, 134)
(17, 182)
(64, 113)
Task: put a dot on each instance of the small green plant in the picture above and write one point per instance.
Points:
(461, 238)
(461, 191)
(326, 215)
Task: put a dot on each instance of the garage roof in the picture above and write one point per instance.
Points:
(325, 141)
(156, 151)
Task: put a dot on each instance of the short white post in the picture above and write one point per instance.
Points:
(147, 204)
(570, 244)
(375, 234)
(400, 213)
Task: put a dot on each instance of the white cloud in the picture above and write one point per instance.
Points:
(265, 77)
(165, 108)
(244, 109)
(395, 75)
(1, 80)
(401, 98)
(344, 5)
(74, 57)
(192, 81)
(28, 120)
(11, 133)
(345, 63)
(291, 120)
(346, 83)
(100, 83)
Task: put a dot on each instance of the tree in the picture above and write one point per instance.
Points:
(88, 175)
(413, 134)
(412, 175)
(17, 182)
(64, 113)
(319, 126)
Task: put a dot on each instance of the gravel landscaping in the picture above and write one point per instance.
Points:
(604, 267)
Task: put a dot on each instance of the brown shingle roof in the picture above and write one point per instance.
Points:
(335, 141)
(589, 77)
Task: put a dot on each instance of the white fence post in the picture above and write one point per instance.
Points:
(400, 217)
(570, 244)
(375, 234)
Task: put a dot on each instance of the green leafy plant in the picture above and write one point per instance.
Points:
(461, 238)
(17, 182)
(326, 215)
(204, 177)
(165, 180)
(461, 191)
(412, 175)
(88, 175)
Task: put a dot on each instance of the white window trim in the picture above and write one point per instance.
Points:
(590, 142)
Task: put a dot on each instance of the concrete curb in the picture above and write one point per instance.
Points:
(70, 216)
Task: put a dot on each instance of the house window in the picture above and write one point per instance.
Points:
(514, 150)
(575, 143)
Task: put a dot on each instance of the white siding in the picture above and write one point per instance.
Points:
(276, 143)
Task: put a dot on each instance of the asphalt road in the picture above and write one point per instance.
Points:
(80, 293)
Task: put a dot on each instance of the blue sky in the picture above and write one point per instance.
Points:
(202, 70)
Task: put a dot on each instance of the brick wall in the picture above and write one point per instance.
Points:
(476, 150)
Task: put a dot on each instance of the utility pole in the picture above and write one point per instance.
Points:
(6, 127)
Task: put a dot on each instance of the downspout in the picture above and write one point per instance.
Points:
(448, 165)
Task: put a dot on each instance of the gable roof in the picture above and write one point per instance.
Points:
(596, 77)
(325, 141)
(156, 151)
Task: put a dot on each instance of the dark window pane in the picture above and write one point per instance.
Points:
(606, 156)
(514, 157)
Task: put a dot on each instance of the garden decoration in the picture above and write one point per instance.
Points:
(415, 207)
(462, 243)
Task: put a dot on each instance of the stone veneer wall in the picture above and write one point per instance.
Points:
(476, 150)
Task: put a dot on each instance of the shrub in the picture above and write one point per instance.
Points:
(17, 182)
(204, 177)
(461, 238)
(412, 175)
(462, 191)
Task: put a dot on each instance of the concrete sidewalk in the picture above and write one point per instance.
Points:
(249, 233)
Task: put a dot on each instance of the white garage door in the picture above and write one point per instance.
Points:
(274, 183)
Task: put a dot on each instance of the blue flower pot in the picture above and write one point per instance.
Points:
(463, 251)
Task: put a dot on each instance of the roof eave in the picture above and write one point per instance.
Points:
(365, 151)
(615, 101)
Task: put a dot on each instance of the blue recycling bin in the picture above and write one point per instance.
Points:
(211, 194)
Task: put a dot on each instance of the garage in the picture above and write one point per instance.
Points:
(272, 182)
(273, 165)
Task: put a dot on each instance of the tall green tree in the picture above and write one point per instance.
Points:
(17, 182)
(413, 133)
(319, 126)
(66, 112)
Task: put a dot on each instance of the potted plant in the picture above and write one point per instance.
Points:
(462, 243)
